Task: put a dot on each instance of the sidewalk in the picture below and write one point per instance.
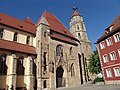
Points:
(92, 87)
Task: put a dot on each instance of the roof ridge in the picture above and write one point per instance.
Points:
(40, 17)
(28, 20)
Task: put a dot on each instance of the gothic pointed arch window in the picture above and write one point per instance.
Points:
(45, 61)
(72, 70)
(79, 36)
(45, 34)
(1, 32)
(59, 50)
(71, 50)
(82, 26)
(78, 27)
(34, 68)
(15, 38)
(3, 66)
(20, 67)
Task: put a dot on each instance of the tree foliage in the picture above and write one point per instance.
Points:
(94, 63)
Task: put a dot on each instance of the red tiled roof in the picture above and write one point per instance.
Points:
(116, 23)
(55, 24)
(28, 20)
(62, 38)
(14, 46)
(116, 26)
(26, 25)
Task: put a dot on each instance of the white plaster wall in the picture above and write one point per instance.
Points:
(22, 36)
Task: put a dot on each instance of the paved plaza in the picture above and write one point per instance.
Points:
(93, 87)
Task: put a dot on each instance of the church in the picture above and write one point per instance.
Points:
(45, 55)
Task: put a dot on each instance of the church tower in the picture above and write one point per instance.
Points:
(78, 29)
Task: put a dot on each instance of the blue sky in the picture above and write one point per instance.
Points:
(98, 14)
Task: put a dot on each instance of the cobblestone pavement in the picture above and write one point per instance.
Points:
(93, 87)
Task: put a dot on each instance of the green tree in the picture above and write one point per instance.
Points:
(94, 63)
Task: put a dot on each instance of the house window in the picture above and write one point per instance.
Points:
(117, 37)
(102, 45)
(44, 62)
(1, 33)
(71, 50)
(108, 72)
(28, 40)
(15, 36)
(105, 58)
(113, 56)
(20, 67)
(109, 42)
(72, 70)
(3, 66)
(117, 71)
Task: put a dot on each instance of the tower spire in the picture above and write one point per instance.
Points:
(75, 13)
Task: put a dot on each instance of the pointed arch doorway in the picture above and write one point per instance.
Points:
(59, 77)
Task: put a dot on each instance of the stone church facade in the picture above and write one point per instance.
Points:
(44, 56)
(63, 55)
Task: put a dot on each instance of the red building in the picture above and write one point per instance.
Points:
(109, 52)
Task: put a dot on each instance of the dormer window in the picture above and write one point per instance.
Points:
(15, 36)
(65, 32)
(20, 26)
(1, 32)
(110, 28)
(28, 40)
